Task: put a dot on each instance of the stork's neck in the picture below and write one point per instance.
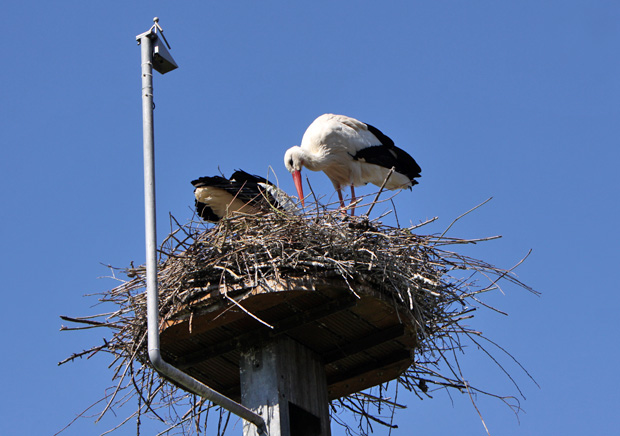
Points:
(315, 158)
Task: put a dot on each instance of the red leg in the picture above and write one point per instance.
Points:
(344, 213)
(340, 198)
(353, 200)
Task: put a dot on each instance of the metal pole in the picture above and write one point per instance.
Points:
(152, 303)
(149, 194)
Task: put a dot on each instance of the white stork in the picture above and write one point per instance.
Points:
(217, 197)
(350, 153)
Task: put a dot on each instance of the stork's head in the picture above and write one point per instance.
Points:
(293, 161)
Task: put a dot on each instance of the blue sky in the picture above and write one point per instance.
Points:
(518, 101)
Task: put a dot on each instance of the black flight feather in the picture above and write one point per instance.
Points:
(389, 155)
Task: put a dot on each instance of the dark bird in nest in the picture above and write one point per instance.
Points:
(350, 153)
(217, 196)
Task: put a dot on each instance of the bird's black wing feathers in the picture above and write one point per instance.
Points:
(205, 212)
(383, 138)
(247, 185)
(241, 184)
(389, 157)
(243, 177)
(215, 181)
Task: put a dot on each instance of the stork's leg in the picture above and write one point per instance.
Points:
(342, 206)
(340, 198)
(353, 200)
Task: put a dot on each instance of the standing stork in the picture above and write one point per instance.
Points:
(217, 197)
(350, 153)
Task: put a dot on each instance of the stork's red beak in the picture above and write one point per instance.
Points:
(298, 185)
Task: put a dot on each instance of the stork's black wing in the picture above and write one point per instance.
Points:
(249, 189)
(389, 155)
(243, 177)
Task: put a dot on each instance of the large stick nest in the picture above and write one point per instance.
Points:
(438, 286)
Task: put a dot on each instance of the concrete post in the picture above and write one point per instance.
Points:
(285, 383)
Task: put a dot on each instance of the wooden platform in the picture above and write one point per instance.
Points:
(362, 341)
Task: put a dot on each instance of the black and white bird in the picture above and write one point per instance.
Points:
(217, 196)
(350, 153)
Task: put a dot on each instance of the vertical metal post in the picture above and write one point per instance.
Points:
(149, 193)
(152, 299)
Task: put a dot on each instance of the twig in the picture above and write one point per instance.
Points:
(380, 191)
(248, 312)
(462, 215)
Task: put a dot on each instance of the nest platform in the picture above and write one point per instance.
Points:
(362, 337)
